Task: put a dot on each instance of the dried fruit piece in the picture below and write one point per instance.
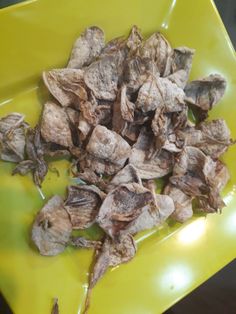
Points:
(121, 206)
(102, 77)
(152, 215)
(183, 203)
(35, 157)
(66, 85)
(150, 168)
(81, 242)
(160, 92)
(55, 308)
(128, 174)
(12, 137)
(113, 253)
(108, 145)
(55, 126)
(87, 47)
(157, 48)
(52, 227)
(82, 205)
(206, 92)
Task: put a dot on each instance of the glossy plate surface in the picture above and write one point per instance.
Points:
(171, 261)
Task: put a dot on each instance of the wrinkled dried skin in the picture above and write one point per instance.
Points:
(152, 215)
(99, 166)
(102, 77)
(81, 242)
(113, 253)
(192, 172)
(183, 203)
(215, 137)
(52, 227)
(104, 114)
(12, 137)
(108, 145)
(55, 126)
(180, 78)
(134, 40)
(127, 107)
(66, 85)
(82, 205)
(157, 48)
(136, 72)
(182, 59)
(128, 174)
(222, 176)
(156, 167)
(121, 206)
(158, 93)
(205, 93)
(113, 46)
(87, 47)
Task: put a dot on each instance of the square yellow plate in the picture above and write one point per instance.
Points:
(171, 261)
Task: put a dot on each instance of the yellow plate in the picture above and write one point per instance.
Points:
(171, 261)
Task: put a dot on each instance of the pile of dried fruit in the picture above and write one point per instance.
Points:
(120, 110)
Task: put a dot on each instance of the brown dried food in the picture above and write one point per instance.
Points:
(97, 165)
(136, 71)
(206, 92)
(87, 47)
(55, 308)
(108, 145)
(134, 40)
(153, 215)
(150, 168)
(182, 59)
(121, 206)
(12, 137)
(157, 48)
(183, 203)
(128, 174)
(102, 77)
(52, 227)
(222, 176)
(160, 92)
(35, 157)
(113, 253)
(55, 126)
(66, 85)
(180, 78)
(82, 205)
(81, 242)
(126, 106)
(215, 137)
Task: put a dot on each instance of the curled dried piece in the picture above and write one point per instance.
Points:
(66, 85)
(152, 215)
(126, 106)
(206, 92)
(150, 168)
(128, 174)
(87, 47)
(12, 137)
(157, 48)
(55, 125)
(180, 78)
(35, 157)
(222, 176)
(191, 171)
(108, 145)
(121, 206)
(183, 203)
(52, 227)
(160, 92)
(81, 242)
(136, 72)
(215, 137)
(102, 77)
(55, 308)
(113, 253)
(82, 205)
(134, 40)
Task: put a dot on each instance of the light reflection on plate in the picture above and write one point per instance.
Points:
(177, 277)
(192, 232)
